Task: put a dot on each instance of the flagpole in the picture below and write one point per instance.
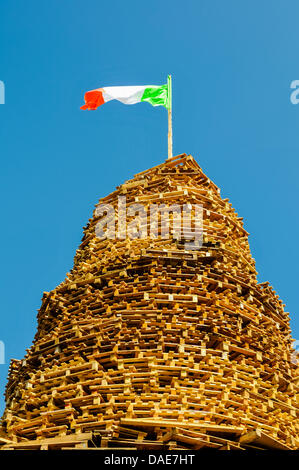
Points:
(169, 116)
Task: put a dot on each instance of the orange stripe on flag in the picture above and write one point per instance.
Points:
(93, 99)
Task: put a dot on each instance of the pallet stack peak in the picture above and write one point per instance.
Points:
(149, 345)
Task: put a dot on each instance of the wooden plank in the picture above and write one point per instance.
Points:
(261, 438)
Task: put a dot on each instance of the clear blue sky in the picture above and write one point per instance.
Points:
(232, 64)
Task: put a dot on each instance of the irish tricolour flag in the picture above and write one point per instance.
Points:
(155, 95)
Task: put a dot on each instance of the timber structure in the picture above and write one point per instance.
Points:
(149, 345)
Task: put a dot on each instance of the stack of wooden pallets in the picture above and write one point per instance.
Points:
(149, 345)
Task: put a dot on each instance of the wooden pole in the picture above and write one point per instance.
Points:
(169, 116)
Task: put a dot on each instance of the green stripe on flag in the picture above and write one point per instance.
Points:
(156, 95)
